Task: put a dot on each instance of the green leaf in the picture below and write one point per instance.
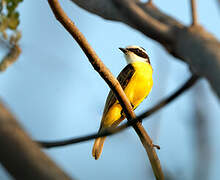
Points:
(13, 20)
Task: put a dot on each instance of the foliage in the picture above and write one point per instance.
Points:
(9, 21)
(9, 16)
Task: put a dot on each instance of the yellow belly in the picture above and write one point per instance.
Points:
(137, 90)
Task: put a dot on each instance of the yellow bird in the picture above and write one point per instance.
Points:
(136, 81)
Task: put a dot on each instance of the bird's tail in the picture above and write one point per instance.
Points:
(97, 147)
(99, 142)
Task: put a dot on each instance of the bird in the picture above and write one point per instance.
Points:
(136, 81)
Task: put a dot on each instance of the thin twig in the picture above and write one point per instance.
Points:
(150, 2)
(111, 81)
(189, 83)
(110, 131)
(194, 13)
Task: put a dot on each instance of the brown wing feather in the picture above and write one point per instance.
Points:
(123, 78)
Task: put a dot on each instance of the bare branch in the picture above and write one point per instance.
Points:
(194, 13)
(110, 131)
(20, 155)
(111, 81)
(197, 47)
(142, 21)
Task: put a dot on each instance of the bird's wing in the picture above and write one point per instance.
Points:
(123, 78)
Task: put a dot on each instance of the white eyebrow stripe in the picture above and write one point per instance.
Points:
(138, 52)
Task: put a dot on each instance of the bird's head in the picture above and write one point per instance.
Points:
(135, 53)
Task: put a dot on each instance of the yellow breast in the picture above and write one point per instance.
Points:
(136, 90)
(140, 84)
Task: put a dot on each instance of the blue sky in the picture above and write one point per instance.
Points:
(55, 93)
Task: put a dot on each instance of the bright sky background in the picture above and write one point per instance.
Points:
(55, 93)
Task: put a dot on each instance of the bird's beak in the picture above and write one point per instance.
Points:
(123, 50)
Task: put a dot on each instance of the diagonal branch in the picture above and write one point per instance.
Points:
(110, 131)
(111, 81)
(136, 16)
(22, 158)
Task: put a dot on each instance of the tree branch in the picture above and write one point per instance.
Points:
(136, 16)
(110, 131)
(150, 1)
(111, 81)
(197, 47)
(22, 158)
(194, 13)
